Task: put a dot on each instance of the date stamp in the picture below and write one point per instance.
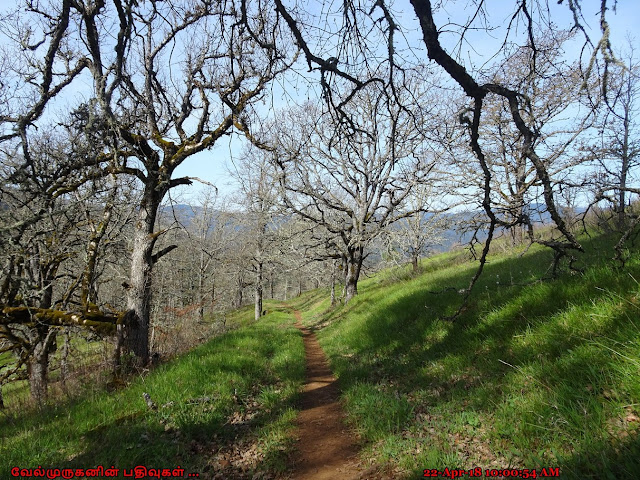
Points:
(477, 472)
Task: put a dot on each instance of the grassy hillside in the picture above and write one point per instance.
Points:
(231, 399)
(532, 375)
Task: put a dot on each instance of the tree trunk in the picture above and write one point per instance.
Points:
(271, 285)
(139, 290)
(258, 291)
(333, 282)
(414, 262)
(64, 360)
(42, 339)
(38, 366)
(351, 285)
(201, 285)
(38, 381)
(117, 348)
(354, 265)
(345, 270)
(153, 338)
(201, 293)
(624, 169)
(237, 303)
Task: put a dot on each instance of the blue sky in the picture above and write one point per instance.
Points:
(212, 166)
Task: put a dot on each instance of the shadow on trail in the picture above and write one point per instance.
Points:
(326, 448)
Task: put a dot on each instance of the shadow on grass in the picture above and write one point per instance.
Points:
(212, 399)
(537, 363)
(616, 459)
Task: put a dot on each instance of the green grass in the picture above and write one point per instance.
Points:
(84, 357)
(237, 390)
(532, 374)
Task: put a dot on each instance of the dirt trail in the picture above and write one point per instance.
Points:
(326, 449)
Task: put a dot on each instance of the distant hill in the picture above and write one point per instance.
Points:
(461, 231)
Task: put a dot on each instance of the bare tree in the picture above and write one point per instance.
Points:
(55, 223)
(209, 235)
(373, 48)
(348, 179)
(261, 211)
(169, 80)
(560, 115)
(618, 152)
(421, 232)
(204, 231)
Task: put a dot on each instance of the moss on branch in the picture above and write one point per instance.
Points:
(95, 320)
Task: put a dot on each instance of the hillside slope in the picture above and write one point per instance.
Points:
(224, 410)
(534, 374)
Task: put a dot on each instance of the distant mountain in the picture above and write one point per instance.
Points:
(461, 230)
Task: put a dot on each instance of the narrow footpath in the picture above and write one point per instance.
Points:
(326, 448)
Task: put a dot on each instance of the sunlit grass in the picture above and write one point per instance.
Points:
(532, 374)
(243, 384)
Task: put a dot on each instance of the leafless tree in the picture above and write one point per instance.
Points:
(619, 150)
(260, 207)
(561, 116)
(350, 179)
(616, 151)
(373, 48)
(420, 233)
(208, 229)
(169, 79)
(56, 221)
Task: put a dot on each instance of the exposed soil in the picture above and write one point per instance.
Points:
(326, 449)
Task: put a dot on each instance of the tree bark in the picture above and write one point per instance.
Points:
(414, 261)
(354, 265)
(139, 292)
(64, 360)
(42, 339)
(333, 282)
(117, 348)
(624, 168)
(271, 285)
(345, 270)
(201, 293)
(38, 365)
(237, 303)
(258, 291)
